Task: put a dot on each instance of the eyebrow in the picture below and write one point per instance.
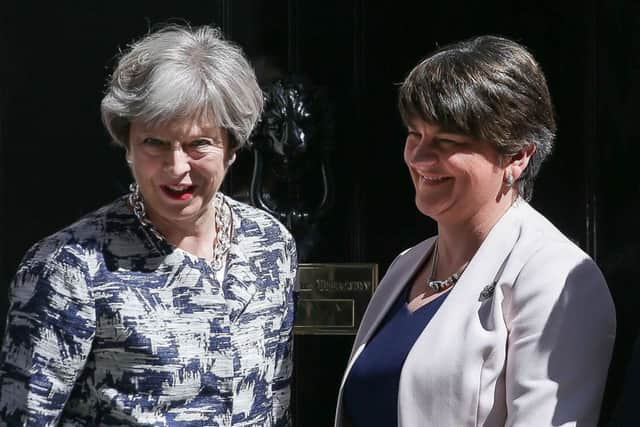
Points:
(149, 135)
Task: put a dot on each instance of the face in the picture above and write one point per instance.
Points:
(179, 167)
(455, 176)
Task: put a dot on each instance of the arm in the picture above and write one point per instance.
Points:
(561, 324)
(50, 327)
(281, 384)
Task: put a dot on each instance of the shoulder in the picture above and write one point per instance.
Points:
(70, 246)
(61, 266)
(542, 244)
(551, 272)
(414, 252)
(402, 265)
(264, 243)
(252, 222)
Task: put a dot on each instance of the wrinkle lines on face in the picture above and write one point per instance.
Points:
(178, 166)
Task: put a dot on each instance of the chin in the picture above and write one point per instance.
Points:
(435, 211)
(426, 210)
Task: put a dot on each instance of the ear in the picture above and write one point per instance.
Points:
(517, 163)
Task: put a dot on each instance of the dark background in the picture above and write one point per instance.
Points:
(57, 163)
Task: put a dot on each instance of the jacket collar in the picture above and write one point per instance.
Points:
(398, 276)
(240, 279)
(480, 275)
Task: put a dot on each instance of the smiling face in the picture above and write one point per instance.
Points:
(456, 177)
(179, 167)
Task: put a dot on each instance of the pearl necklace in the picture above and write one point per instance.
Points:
(441, 285)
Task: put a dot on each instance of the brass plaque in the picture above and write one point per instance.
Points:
(332, 298)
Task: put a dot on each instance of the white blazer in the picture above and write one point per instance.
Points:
(531, 350)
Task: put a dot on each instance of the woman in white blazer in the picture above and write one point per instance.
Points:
(499, 320)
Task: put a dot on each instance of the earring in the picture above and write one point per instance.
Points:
(130, 161)
(508, 179)
(231, 159)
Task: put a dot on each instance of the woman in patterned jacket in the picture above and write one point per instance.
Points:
(173, 304)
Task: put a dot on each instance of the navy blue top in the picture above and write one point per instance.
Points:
(371, 389)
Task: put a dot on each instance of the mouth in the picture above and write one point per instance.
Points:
(178, 192)
(433, 179)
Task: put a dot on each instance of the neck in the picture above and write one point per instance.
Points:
(194, 236)
(458, 242)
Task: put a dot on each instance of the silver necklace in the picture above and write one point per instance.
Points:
(222, 217)
(441, 285)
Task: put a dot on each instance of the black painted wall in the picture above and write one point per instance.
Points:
(57, 163)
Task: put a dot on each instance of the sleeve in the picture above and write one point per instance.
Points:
(281, 385)
(50, 328)
(561, 332)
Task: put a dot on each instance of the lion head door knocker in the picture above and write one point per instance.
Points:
(292, 176)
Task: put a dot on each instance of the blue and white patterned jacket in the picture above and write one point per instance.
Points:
(109, 325)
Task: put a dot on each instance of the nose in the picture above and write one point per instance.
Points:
(178, 161)
(423, 151)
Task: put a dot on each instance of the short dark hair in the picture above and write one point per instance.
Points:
(490, 88)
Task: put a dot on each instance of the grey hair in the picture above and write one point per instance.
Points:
(490, 88)
(180, 72)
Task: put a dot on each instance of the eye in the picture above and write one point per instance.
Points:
(451, 141)
(413, 135)
(153, 142)
(200, 143)
(203, 146)
(153, 146)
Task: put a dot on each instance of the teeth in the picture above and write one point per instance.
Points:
(178, 187)
(431, 178)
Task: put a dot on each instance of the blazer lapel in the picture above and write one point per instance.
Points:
(483, 270)
(481, 275)
(390, 288)
(485, 266)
